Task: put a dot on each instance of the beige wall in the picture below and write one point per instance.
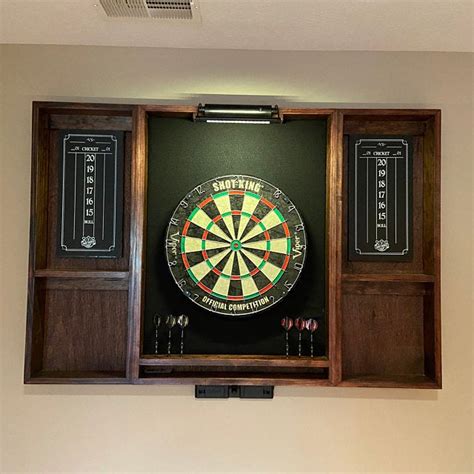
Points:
(107, 428)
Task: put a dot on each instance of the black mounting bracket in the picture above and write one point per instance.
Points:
(233, 391)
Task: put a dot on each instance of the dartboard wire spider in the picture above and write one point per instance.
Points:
(236, 249)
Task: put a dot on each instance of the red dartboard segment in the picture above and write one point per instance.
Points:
(268, 203)
(266, 288)
(204, 287)
(235, 298)
(234, 259)
(205, 202)
(185, 260)
(185, 228)
(254, 271)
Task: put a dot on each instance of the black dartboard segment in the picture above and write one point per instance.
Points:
(236, 245)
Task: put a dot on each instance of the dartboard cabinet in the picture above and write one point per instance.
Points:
(170, 248)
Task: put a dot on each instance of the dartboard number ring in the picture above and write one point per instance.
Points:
(235, 245)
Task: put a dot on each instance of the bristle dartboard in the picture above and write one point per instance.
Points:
(236, 245)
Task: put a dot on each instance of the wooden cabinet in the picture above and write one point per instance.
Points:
(89, 319)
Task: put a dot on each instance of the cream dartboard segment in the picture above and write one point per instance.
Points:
(236, 245)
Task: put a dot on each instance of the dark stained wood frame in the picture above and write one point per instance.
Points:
(223, 369)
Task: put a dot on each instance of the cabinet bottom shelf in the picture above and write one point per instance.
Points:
(234, 361)
(390, 381)
(79, 377)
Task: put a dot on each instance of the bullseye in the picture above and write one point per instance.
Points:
(236, 245)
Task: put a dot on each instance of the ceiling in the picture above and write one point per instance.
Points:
(372, 25)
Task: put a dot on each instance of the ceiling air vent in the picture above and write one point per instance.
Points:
(160, 9)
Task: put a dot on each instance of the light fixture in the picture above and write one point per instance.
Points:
(246, 114)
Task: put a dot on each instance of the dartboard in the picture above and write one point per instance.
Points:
(236, 245)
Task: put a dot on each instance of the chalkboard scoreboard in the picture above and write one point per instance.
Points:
(380, 198)
(91, 194)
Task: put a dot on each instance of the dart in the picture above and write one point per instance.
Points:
(156, 322)
(183, 321)
(287, 324)
(170, 322)
(311, 325)
(300, 325)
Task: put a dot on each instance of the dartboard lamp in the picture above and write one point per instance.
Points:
(241, 114)
(191, 244)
